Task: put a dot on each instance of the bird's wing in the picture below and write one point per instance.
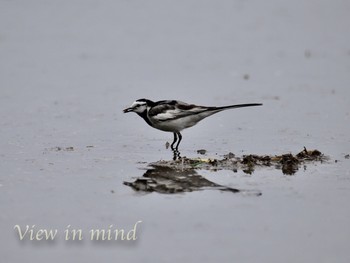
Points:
(171, 110)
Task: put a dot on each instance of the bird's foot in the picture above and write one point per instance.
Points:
(176, 155)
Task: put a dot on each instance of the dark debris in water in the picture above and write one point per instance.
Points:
(202, 151)
(288, 163)
(59, 148)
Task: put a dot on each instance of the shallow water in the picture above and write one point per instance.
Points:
(66, 73)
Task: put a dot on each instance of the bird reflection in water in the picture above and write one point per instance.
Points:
(168, 180)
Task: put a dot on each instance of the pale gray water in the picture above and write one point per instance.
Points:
(68, 69)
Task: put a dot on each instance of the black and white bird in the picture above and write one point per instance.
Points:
(174, 116)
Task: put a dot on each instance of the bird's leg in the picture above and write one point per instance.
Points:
(177, 138)
(174, 141)
(178, 142)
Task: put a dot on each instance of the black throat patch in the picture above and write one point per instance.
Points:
(144, 116)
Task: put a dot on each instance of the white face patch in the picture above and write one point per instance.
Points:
(139, 106)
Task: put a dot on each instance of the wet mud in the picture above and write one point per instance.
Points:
(181, 175)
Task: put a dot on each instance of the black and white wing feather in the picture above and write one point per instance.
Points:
(172, 110)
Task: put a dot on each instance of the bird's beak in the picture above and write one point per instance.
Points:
(128, 110)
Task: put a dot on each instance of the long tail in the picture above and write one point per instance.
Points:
(236, 106)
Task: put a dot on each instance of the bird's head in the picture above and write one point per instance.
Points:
(139, 106)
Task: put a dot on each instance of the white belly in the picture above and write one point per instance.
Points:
(179, 124)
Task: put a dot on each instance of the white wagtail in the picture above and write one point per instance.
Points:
(174, 116)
